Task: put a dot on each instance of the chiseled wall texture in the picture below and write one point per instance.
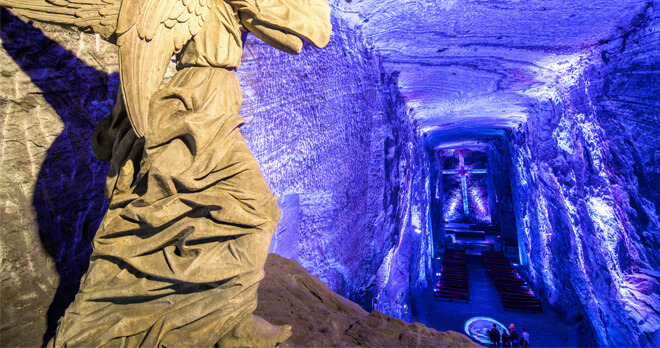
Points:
(335, 142)
(54, 87)
(500, 193)
(332, 136)
(587, 199)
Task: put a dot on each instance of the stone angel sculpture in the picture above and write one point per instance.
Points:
(179, 255)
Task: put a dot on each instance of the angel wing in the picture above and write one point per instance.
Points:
(148, 33)
(99, 16)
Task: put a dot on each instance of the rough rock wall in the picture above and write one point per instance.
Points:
(332, 137)
(335, 143)
(54, 88)
(586, 167)
(406, 269)
(437, 200)
(500, 195)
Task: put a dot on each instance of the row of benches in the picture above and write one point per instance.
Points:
(453, 282)
(513, 290)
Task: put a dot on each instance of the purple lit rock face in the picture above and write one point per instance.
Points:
(562, 95)
(587, 193)
(500, 192)
(468, 69)
(338, 149)
(565, 96)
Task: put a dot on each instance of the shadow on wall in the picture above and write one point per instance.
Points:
(68, 196)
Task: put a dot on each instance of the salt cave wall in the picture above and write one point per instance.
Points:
(329, 129)
(335, 143)
(406, 269)
(55, 87)
(586, 167)
(437, 200)
(500, 196)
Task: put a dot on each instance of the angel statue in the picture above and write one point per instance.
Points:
(180, 252)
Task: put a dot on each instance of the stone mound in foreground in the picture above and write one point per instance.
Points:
(321, 318)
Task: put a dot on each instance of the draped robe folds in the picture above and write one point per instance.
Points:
(180, 252)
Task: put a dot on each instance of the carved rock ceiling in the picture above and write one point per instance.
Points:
(470, 69)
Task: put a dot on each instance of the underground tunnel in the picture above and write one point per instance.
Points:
(425, 128)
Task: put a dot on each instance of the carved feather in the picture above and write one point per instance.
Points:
(177, 11)
(99, 16)
(162, 28)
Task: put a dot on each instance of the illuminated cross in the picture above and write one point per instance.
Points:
(464, 173)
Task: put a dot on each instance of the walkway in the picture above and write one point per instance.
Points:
(545, 329)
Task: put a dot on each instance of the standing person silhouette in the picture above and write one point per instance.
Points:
(515, 342)
(506, 339)
(525, 338)
(494, 335)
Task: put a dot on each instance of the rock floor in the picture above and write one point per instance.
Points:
(546, 329)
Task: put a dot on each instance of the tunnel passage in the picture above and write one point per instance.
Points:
(561, 97)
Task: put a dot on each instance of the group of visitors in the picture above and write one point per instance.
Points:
(509, 338)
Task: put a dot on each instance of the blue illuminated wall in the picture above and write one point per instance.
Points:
(335, 142)
(500, 192)
(586, 169)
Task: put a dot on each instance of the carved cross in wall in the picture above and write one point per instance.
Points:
(463, 174)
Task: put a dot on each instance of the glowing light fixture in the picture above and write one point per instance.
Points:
(478, 327)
